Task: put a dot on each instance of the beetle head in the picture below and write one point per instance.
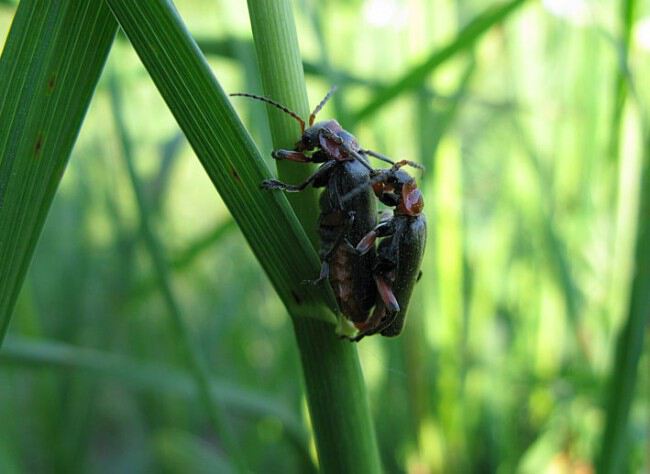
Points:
(313, 136)
(329, 137)
(398, 189)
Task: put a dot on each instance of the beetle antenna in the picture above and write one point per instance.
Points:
(380, 176)
(410, 163)
(395, 166)
(274, 104)
(318, 108)
(360, 158)
(379, 156)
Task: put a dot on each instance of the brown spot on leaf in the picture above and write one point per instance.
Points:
(296, 297)
(234, 174)
(38, 146)
(51, 82)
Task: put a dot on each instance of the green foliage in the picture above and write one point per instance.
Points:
(525, 348)
(463, 42)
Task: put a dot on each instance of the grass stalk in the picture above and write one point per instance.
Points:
(629, 345)
(336, 395)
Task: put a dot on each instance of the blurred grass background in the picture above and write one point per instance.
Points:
(533, 137)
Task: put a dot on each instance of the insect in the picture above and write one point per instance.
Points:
(399, 253)
(344, 168)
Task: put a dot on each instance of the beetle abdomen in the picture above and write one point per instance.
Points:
(353, 290)
(342, 225)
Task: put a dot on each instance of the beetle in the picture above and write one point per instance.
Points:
(399, 253)
(344, 169)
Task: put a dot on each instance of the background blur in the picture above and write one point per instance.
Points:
(531, 195)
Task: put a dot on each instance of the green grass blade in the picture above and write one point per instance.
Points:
(557, 252)
(336, 394)
(180, 327)
(48, 355)
(180, 452)
(158, 187)
(184, 258)
(49, 68)
(314, 11)
(228, 48)
(627, 10)
(283, 80)
(463, 42)
(225, 150)
(203, 242)
(429, 139)
(629, 346)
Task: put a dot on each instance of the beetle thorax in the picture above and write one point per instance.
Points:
(330, 137)
(411, 202)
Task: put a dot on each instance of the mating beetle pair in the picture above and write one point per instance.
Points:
(360, 276)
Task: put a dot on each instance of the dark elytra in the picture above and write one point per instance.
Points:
(399, 253)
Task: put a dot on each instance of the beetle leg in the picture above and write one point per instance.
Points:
(366, 243)
(383, 229)
(349, 244)
(381, 318)
(290, 155)
(293, 188)
(326, 255)
(386, 323)
(324, 274)
(386, 294)
(339, 238)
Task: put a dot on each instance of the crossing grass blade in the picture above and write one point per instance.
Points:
(463, 42)
(228, 48)
(180, 451)
(49, 68)
(177, 319)
(27, 353)
(226, 151)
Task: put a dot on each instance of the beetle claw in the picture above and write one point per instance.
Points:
(315, 282)
(349, 245)
(271, 184)
(324, 275)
